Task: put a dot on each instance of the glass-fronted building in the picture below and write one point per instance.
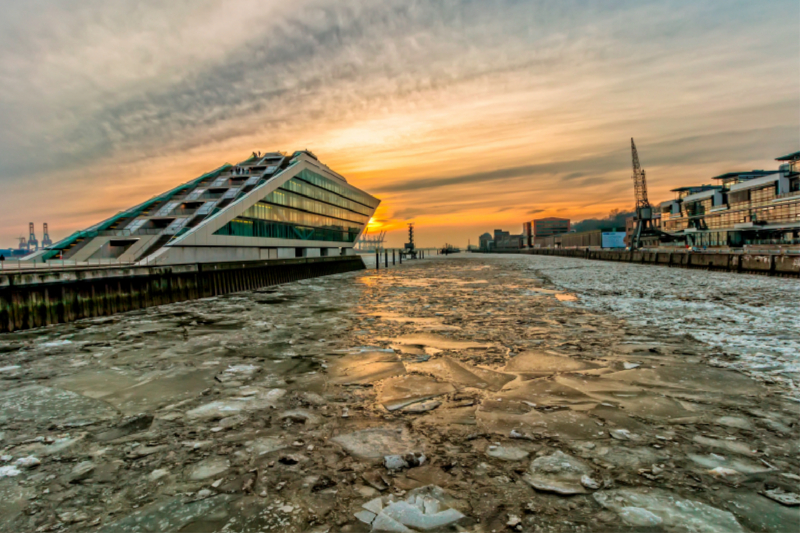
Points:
(760, 207)
(271, 206)
(308, 207)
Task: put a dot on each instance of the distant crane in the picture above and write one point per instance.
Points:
(33, 244)
(46, 237)
(644, 211)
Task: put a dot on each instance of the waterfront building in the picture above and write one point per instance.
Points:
(271, 206)
(755, 208)
(545, 227)
(527, 234)
(594, 239)
(510, 242)
(500, 240)
(499, 235)
(486, 242)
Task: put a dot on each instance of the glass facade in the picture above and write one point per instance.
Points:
(759, 206)
(752, 205)
(307, 207)
(328, 184)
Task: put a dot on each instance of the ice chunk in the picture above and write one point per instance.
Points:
(383, 523)
(207, 468)
(636, 516)
(786, 498)
(559, 473)
(674, 513)
(375, 443)
(422, 407)
(507, 453)
(405, 390)
(424, 509)
(225, 408)
(28, 462)
(366, 516)
(394, 462)
(375, 506)
(9, 471)
(411, 516)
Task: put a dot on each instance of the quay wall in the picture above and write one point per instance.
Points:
(35, 299)
(770, 264)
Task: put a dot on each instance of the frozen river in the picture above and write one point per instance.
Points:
(470, 393)
(752, 321)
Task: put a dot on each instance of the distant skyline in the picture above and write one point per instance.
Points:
(462, 116)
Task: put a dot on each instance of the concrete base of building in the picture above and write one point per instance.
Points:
(770, 264)
(32, 300)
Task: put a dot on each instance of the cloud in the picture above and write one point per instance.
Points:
(448, 110)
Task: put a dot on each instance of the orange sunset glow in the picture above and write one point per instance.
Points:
(460, 116)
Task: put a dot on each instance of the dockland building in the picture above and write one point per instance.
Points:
(755, 208)
(270, 206)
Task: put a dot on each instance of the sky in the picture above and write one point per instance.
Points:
(461, 115)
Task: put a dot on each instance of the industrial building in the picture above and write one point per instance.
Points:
(502, 240)
(593, 239)
(759, 208)
(486, 242)
(543, 227)
(271, 206)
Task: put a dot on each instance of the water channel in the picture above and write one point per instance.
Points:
(462, 393)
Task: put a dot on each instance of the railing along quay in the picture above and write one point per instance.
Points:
(751, 263)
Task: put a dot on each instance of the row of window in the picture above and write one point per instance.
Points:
(290, 199)
(325, 183)
(736, 200)
(285, 214)
(772, 214)
(737, 238)
(299, 186)
(240, 227)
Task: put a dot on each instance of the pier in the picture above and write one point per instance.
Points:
(38, 297)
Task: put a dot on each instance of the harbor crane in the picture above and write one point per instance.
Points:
(46, 237)
(33, 244)
(644, 211)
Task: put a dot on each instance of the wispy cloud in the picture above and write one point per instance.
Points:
(486, 110)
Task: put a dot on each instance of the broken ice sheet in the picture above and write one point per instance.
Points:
(558, 473)
(439, 341)
(545, 364)
(657, 507)
(225, 408)
(426, 508)
(463, 374)
(170, 515)
(365, 367)
(401, 391)
(548, 393)
(375, 443)
(45, 404)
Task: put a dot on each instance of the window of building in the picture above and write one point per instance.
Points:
(307, 207)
